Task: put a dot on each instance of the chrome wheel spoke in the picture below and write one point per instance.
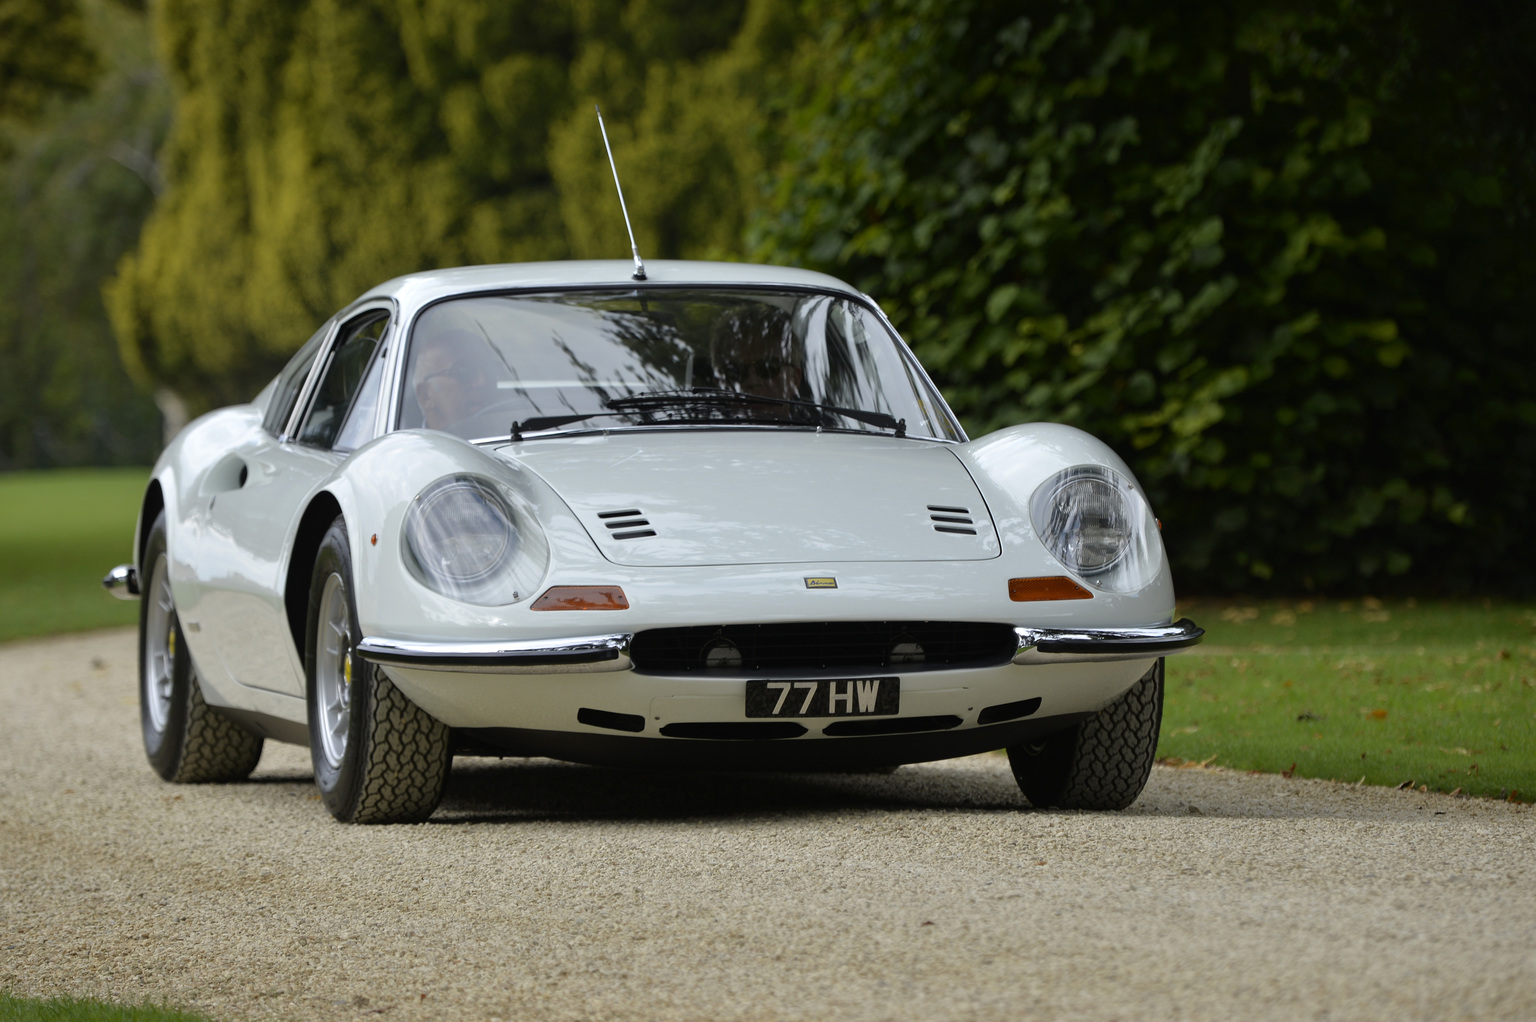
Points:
(333, 670)
(159, 645)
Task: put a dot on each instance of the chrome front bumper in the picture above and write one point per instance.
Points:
(603, 653)
(586, 655)
(1089, 645)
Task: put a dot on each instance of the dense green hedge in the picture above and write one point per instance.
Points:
(1278, 254)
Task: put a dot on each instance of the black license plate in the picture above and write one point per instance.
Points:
(840, 697)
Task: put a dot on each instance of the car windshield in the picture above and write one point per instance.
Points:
(488, 366)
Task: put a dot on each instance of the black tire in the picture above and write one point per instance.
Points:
(388, 760)
(186, 740)
(1103, 762)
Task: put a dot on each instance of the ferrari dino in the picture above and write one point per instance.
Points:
(717, 518)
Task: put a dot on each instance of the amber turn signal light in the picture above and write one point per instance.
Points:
(582, 598)
(1051, 587)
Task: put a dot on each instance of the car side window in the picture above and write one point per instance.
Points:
(290, 381)
(342, 379)
(359, 425)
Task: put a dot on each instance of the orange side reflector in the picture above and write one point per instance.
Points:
(1051, 587)
(582, 598)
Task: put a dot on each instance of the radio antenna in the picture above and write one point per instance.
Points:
(639, 273)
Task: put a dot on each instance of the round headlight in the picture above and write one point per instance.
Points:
(1095, 523)
(1090, 523)
(458, 537)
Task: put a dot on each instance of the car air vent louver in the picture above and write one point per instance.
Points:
(886, 646)
(629, 523)
(952, 519)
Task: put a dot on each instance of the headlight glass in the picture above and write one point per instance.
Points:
(461, 540)
(1097, 523)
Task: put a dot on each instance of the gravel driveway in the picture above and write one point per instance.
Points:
(546, 891)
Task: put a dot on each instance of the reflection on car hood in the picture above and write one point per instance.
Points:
(696, 497)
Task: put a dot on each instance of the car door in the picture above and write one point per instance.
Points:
(253, 526)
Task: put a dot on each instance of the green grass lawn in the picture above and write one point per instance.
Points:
(59, 533)
(1442, 693)
(70, 1009)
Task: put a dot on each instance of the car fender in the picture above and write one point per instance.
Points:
(1010, 464)
(180, 470)
(375, 488)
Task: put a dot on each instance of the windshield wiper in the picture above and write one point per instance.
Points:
(661, 400)
(539, 422)
(702, 395)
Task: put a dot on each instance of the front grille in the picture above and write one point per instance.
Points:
(832, 645)
(890, 726)
(735, 730)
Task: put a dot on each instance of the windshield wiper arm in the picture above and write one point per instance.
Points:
(703, 395)
(539, 422)
(699, 395)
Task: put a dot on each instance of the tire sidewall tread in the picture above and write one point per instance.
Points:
(1102, 763)
(397, 756)
(199, 745)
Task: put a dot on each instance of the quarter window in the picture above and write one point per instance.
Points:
(343, 378)
(359, 427)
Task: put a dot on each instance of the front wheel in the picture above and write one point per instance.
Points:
(378, 757)
(186, 740)
(1103, 762)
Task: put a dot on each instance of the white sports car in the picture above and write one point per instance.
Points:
(718, 518)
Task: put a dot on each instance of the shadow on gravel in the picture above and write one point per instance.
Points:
(530, 790)
(512, 790)
(287, 777)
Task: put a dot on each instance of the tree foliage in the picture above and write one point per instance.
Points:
(45, 53)
(77, 178)
(686, 91)
(322, 146)
(1275, 253)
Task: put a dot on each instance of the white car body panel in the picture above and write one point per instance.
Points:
(764, 496)
(743, 518)
(545, 702)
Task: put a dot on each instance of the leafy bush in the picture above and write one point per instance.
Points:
(1275, 253)
(323, 146)
(82, 110)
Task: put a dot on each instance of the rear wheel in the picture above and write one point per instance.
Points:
(1103, 762)
(378, 757)
(186, 740)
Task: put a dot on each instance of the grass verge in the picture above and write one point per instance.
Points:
(59, 533)
(72, 1009)
(1440, 693)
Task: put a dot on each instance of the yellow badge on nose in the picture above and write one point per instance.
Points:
(821, 583)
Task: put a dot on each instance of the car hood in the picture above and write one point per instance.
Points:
(683, 498)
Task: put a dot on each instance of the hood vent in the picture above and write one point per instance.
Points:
(629, 523)
(952, 519)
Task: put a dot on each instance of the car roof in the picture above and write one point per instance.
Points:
(418, 289)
